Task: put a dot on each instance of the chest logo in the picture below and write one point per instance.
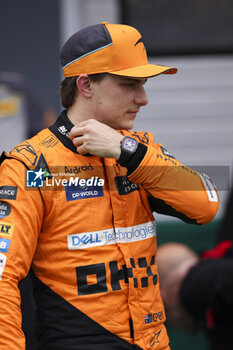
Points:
(84, 188)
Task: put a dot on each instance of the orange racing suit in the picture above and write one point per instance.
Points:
(91, 243)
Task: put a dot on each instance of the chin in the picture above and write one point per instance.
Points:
(127, 126)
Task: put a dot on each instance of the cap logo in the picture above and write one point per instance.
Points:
(139, 41)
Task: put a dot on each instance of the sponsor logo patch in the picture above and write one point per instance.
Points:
(49, 142)
(8, 192)
(62, 129)
(124, 185)
(157, 316)
(210, 188)
(4, 245)
(155, 338)
(5, 209)
(2, 264)
(78, 169)
(148, 318)
(89, 189)
(112, 236)
(166, 152)
(92, 279)
(6, 229)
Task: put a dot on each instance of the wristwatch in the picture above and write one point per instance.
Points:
(128, 148)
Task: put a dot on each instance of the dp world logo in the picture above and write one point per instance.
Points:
(35, 178)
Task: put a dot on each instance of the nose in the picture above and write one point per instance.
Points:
(141, 98)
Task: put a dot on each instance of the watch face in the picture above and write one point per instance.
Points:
(130, 144)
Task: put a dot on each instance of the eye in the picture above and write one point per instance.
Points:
(131, 84)
(134, 83)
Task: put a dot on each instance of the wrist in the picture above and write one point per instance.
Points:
(117, 151)
(128, 147)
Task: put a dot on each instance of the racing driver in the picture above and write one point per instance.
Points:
(76, 204)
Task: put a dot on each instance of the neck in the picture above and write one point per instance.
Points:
(75, 115)
(79, 111)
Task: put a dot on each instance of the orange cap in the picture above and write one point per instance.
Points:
(108, 48)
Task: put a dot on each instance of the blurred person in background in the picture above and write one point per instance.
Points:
(197, 290)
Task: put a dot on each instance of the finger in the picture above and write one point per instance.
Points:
(82, 149)
(76, 131)
(77, 141)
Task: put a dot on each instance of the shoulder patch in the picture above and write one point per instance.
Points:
(26, 152)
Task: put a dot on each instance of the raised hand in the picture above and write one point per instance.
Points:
(91, 136)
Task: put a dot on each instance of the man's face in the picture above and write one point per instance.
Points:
(117, 100)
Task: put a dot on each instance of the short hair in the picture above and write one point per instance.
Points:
(69, 91)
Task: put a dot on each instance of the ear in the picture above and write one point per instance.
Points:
(84, 85)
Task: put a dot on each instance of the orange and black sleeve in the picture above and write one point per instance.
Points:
(173, 188)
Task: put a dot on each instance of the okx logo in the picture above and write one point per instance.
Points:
(35, 178)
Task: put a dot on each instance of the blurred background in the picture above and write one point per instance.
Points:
(191, 113)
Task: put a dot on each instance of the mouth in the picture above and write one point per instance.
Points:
(133, 114)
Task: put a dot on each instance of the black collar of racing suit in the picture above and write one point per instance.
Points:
(61, 129)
